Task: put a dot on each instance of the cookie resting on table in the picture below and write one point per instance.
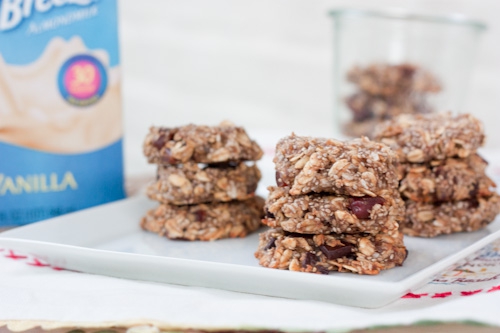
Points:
(355, 253)
(451, 179)
(430, 220)
(423, 138)
(191, 183)
(200, 144)
(356, 168)
(324, 213)
(205, 222)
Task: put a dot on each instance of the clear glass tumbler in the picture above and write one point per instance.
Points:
(393, 62)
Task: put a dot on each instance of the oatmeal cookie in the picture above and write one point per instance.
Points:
(191, 183)
(200, 144)
(390, 80)
(205, 222)
(363, 128)
(430, 220)
(423, 138)
(355, 253)
(324, 214)
(451, 179)
(356, 168)
(365, 107)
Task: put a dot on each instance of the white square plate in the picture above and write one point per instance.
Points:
(107, 240)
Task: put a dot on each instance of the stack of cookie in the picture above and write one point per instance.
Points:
(205, 189)
(443, 179)
(336, 207)
(384, 91)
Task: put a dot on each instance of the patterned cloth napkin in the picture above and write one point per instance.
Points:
(33, 291)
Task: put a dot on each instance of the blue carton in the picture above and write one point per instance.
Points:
(60, 108)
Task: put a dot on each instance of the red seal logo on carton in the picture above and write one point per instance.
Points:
(82, 80)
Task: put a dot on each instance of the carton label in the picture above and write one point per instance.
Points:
(13, 12)
(82, 80)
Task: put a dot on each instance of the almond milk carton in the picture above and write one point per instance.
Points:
(60, 108)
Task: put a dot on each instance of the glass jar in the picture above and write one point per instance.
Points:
(393, 62)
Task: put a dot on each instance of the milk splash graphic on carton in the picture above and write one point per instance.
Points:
(60, 108)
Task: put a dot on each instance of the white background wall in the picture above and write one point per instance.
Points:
(264, 64)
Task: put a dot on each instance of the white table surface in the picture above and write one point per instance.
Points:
(32, 292)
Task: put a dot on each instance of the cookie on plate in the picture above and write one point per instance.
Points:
(192, 183)
(200, 144)
(355, 253)
(206, 222)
